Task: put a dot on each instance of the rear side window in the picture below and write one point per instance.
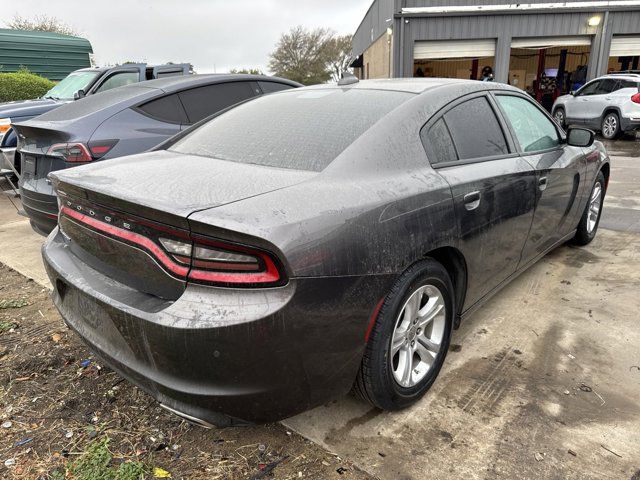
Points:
(475, 130)
(166, 109)
(626, 84)
(298, 129)
(270, 87)
(533, 129)
(204, 101)
(438, 142)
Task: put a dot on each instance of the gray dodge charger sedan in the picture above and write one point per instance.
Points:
(315, 240)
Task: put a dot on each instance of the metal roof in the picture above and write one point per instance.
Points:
(51, 55)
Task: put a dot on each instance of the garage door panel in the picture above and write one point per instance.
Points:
(435, 49)
(550, 42)
(625, 46)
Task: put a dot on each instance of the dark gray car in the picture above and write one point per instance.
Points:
(122, 121)
(319, 237)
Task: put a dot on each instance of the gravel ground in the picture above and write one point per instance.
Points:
(65, 416)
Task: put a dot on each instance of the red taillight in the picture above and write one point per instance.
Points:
(635, 98)
(71, 152)
(77, 152)
(210, 261)
(99, 148)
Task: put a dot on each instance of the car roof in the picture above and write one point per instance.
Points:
(633, 77)
(178, 82)
(414, 85)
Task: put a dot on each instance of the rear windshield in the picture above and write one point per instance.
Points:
(296, 129)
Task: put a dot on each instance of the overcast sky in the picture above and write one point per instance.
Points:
(211, 34)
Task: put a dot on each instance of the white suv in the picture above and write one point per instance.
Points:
(610, 104)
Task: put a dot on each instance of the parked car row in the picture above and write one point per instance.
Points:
(286, 249)
(122, 121)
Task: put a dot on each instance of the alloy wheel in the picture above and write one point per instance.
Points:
(609, 126)
(559, 117)
(417, 335)
(595, 202)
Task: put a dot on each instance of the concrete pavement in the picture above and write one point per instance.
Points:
(543, 381)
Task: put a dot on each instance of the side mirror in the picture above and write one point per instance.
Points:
(580, 137)
(79, 94)
(572, 93)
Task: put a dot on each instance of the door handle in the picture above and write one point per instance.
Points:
(542, 184)
(472, 200)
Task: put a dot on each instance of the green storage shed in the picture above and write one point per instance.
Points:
(51, 55)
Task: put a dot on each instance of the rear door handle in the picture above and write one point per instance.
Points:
(472, 200)
(542, 184)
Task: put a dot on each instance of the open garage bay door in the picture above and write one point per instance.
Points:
(550, 42)
(441, 49)
(623, 46)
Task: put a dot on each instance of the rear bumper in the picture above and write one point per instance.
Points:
(629, 124)
(41, 206)
(223, 356)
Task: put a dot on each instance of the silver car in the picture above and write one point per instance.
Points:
(609, 104)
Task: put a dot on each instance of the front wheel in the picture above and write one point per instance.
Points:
(559, 117)
(590, 220)
(410, 338)
(610, 126)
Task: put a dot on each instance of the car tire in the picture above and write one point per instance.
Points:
(560, 117)
(391, 380)
(590, 219)
(610, 127)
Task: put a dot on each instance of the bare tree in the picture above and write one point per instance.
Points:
(339, 55)
(41, 23)
(301, 55)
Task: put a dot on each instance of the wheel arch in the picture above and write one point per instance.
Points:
(606, 171)
(454, 262)
(610, 109)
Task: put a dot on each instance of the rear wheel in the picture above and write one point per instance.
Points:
(610, 126)
(590, 220)
(410, 339)
(559, 117)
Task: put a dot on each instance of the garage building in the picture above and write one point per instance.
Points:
(51, 55)
(547, 48)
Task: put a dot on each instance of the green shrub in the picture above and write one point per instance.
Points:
(23, 85)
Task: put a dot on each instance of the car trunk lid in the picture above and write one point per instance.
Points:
(114, 213)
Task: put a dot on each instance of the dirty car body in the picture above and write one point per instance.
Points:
(243, 290)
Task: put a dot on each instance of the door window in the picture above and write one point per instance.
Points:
(589, 89)
(118, 80)
(204, 101)
(475, 130)
(606, 86)
(533, 129)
